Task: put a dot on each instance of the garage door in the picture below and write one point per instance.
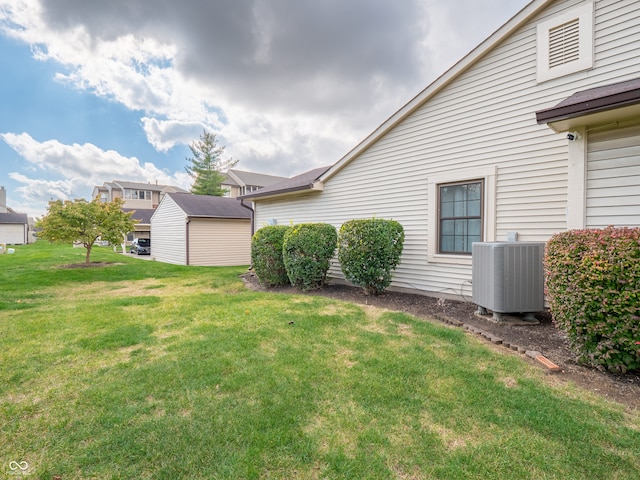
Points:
(12, 234)
(613, 177)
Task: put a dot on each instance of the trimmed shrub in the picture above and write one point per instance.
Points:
(368, 251)
(593, 287)
(266, 255)
(307, 251)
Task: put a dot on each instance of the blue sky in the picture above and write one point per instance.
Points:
(93, 91)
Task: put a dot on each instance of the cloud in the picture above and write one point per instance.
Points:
(80, 168)
(164, 134)
(196, 61)
(286, 85)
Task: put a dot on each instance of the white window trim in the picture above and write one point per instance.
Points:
(488, 174)
(584, 14)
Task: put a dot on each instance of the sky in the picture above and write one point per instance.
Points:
(93, 91)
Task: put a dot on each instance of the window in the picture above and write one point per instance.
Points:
(460, 207)
(137, 194)
(565, 43)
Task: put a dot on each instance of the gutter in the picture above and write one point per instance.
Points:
(187, 240)
(253, 226)
(314, 186)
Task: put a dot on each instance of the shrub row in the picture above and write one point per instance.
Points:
(369, 250)
(593, 287)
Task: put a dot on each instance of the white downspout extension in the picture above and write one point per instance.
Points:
(577, 181)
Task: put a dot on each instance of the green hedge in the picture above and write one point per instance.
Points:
(593, 287)
(307, 251)
(368, 251)
(266, 255)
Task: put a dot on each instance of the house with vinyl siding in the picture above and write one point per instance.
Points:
(201, 230)
(535, 131)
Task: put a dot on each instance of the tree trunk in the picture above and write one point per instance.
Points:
(88, 257)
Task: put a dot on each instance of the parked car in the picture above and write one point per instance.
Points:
(141, 246)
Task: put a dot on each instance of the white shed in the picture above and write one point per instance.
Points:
(14, 228)
(201, 230)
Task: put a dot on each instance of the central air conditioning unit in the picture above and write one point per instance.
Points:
(508, 277)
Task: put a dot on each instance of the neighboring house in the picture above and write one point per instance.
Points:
(143, 225)
(201, 230)
(534, 132)
(141, 197)
(136, 195)
(238, 182)
(15, 228)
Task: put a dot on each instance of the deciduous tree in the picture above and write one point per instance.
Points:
(86, 222)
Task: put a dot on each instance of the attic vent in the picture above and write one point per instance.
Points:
(564, 43)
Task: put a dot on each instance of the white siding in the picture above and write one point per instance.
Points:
(613, 177)
(485, 118)
(168, 233)
(219, 242)
(14, 234)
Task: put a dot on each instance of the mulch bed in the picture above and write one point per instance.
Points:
(544, 337)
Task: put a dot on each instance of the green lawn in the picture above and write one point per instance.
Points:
(145, 370)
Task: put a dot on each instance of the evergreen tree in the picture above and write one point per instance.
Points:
(207, 165)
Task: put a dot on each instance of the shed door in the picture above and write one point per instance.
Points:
(613, 177)
(12, 234)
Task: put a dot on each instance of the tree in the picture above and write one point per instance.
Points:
(86, 222)
(207, 164)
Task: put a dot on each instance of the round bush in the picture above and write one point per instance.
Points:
(593, 287)
(368, 251)
(266, 255)
(307, 251)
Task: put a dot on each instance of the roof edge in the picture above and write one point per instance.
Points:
(588, 106)
(442, 81)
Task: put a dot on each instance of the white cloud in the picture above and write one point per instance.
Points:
(164, 134)
(287, 86)
(80, 168)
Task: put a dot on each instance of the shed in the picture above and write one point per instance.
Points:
(14, 228)
(201, 230)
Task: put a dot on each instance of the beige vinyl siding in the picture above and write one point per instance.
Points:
(168, 233)
(219, 242)
(13, 234)
(485, 118)
(613, 177)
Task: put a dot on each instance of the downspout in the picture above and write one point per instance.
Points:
(253, 227)
(187, 239)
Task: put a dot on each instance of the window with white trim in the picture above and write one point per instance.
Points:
(460, 216)
(487, 175)
(565, 43)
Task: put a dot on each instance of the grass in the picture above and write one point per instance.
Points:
(146, 370)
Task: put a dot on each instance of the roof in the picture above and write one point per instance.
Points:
(143, 186)
(16, 218)
(594, 100)
(206, 206)
(241, 178)
(302, 182)
(143, 215)
(519, 19)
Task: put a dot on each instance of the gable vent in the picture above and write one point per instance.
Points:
(564, 43)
